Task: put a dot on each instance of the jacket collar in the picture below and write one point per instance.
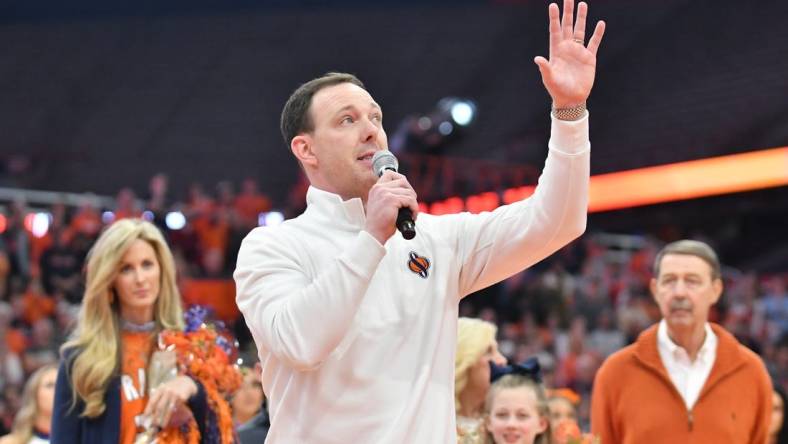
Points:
(341, 214)
(729, 355)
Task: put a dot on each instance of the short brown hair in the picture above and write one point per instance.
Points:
(296, 118)
(690, 248)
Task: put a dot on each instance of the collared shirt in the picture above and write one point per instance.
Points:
(688, 376)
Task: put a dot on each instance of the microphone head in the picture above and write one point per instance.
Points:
(382, 161)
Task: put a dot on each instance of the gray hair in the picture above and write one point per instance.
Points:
(690, 248)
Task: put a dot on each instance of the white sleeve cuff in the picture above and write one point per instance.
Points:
(569, 137)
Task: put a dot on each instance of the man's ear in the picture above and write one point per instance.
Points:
(717, 287)
(652, 285)
(301, 146)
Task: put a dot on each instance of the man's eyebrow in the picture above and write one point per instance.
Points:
(345, 108)
(352, 107)
(688, 274)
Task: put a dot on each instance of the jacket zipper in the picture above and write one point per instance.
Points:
(690, 419)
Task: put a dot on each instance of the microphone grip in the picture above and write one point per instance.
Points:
(405, 223)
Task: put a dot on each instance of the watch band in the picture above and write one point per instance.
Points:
(574, 113)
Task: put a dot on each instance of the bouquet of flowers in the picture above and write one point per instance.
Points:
(208, 357)
(568, 432)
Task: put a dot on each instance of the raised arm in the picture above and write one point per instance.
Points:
(496, 245)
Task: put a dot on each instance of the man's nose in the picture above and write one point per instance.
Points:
(370, 131)
(680, 289)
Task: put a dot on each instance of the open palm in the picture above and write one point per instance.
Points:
(569, 73)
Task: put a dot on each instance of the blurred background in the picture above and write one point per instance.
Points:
(170, 111)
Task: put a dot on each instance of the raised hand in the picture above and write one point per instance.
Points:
(569, 74)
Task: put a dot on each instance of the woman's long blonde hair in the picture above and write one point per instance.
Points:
(25, 418)
(474, 337)
(96, 339)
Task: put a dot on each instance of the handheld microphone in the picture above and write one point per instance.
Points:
(382, 161)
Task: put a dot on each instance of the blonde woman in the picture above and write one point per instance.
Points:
(476, 349)
(130, 297)
(33, 420)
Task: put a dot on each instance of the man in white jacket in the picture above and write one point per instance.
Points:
(356, 327)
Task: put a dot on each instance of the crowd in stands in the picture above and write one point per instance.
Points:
(570, 311)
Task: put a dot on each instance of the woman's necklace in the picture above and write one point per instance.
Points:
(137, 328)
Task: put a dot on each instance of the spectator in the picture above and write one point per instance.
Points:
(36, 304)
(251, 403)
(34, 419)
(634, 398)
(605, 338)
(516, 411)
(476, 349)
(126, 205)
(102, 394)
(42, 349)
(11, 372)
(158, 200)
(87, 220)
(60, 269)
(778, 432)
(16, 241)
(562, 404)
(250, 203)
(774, 308)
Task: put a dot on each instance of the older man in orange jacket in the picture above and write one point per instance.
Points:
(684, 380)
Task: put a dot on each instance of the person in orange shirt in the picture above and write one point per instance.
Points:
(103, 391)
(126, 204)
(87, 220)
(213, 232)
(36, 304)
(685, 379)
(251, 202)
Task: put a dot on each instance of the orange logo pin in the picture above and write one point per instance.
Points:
(419, 264)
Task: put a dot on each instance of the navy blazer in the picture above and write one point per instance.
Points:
(68, 427)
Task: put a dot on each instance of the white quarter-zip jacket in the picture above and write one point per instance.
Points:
(357, 339)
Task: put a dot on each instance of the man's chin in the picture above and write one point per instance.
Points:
(680, 320)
